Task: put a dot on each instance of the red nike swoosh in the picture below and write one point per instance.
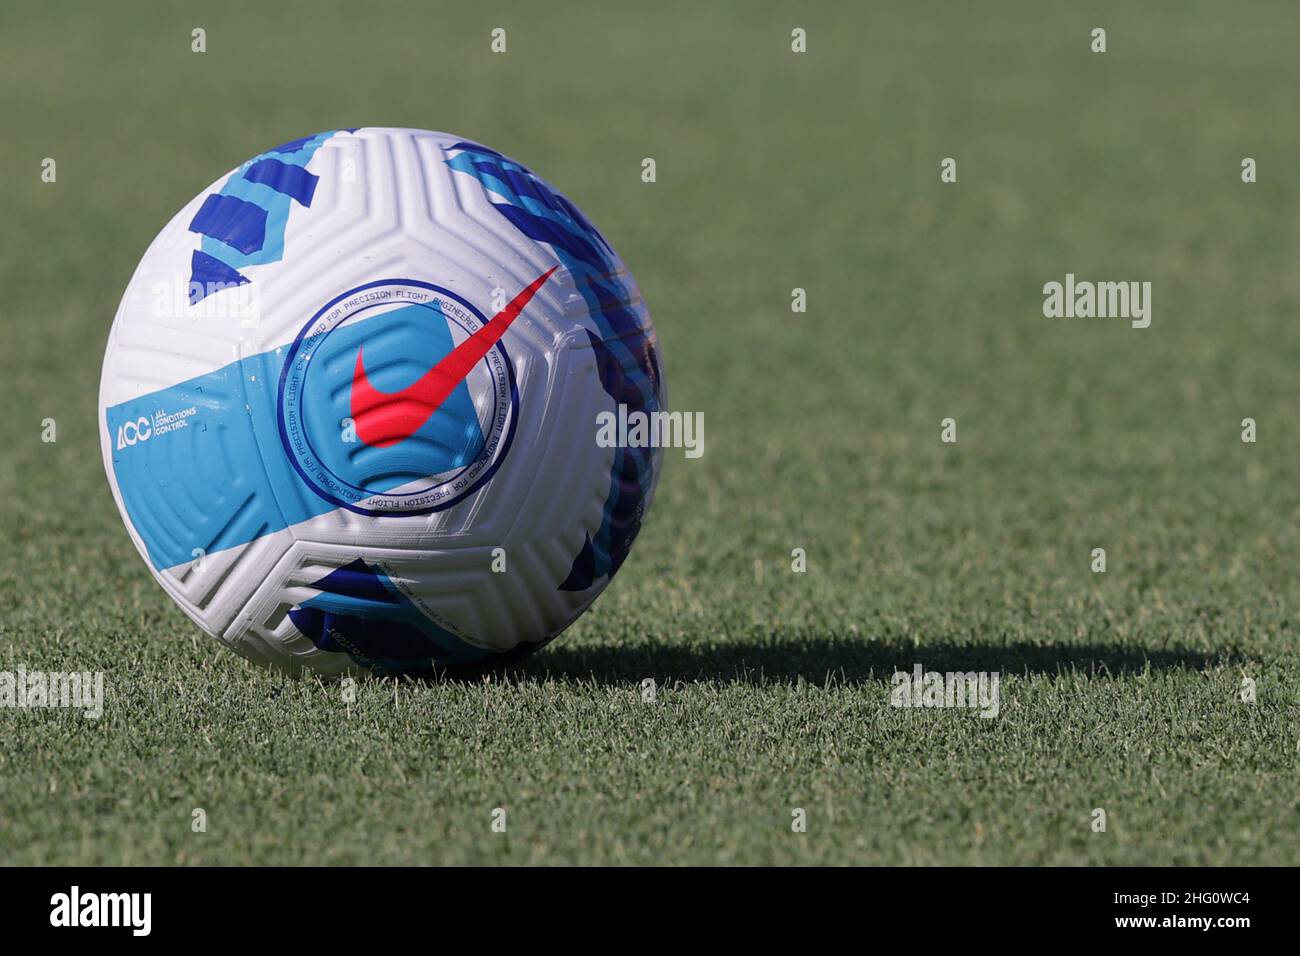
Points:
(386, 418)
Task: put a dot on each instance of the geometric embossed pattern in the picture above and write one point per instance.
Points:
(229, 427)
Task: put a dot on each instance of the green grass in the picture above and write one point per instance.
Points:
(1119, 690)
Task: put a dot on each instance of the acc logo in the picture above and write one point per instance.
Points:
(398, 397)
(130, 432)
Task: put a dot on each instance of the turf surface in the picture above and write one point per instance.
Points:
(1120, 691)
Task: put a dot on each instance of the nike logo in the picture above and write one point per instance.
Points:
(386, 418)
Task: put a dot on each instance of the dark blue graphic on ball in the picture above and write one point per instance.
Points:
(625, 352)
(243, 224)
(361, 613)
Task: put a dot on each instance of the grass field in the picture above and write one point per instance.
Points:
(1120, 691)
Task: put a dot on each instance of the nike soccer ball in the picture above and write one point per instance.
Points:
(349, 406)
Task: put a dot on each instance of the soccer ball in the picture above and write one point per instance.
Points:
(349, 406)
